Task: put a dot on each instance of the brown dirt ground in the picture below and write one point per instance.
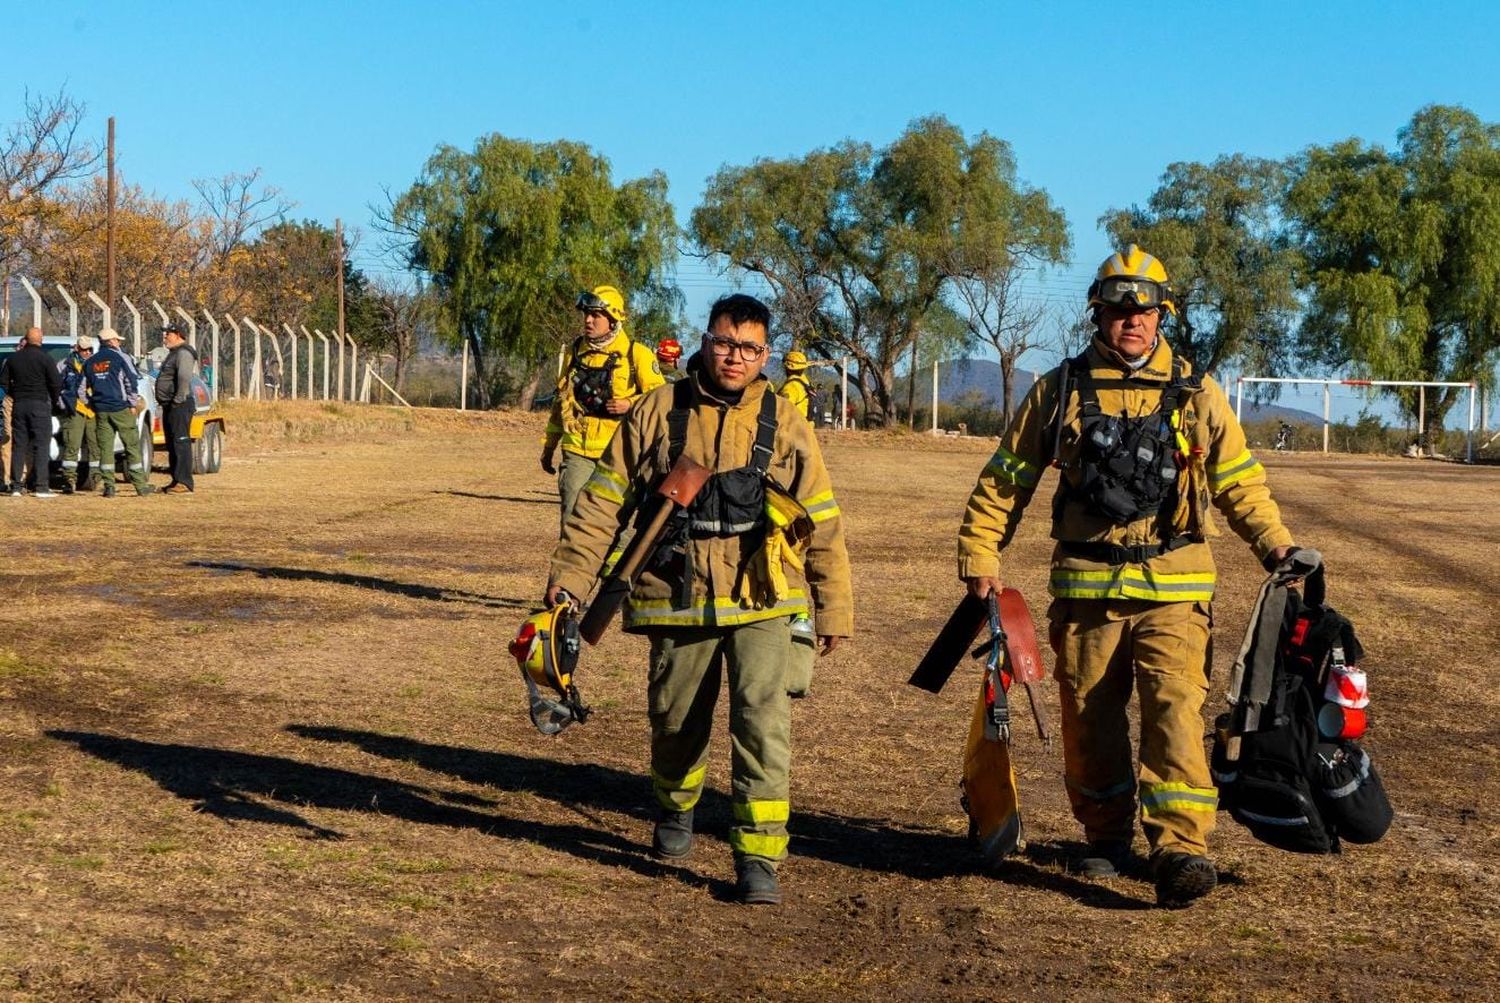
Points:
(266, 742)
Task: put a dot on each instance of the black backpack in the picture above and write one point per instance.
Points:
(1277, 775)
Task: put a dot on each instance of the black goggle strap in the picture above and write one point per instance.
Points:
(589, 303)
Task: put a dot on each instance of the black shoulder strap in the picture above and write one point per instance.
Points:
(677, 418)
(765, 434)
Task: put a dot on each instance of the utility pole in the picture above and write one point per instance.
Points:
(109, 222)
(338, 238)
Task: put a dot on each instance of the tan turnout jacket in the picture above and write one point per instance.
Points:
(1221, 473)
(720, 437)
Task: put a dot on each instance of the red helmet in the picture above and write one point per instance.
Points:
(668, 351)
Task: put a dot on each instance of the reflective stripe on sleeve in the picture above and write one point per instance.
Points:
(1010, 468)
(607, 485)
(821, 507)
(1225, 474)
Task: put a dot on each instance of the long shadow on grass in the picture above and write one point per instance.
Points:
(247, 787)
(552, 500)
(872, 844)
(407, 589)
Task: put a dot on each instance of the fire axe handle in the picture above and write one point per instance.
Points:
(677, 490)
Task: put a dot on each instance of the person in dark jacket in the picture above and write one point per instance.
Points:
(112, 381)
(174, 395)
(32, 381)
(80, 449)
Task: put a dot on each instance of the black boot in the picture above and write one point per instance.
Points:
(1181, 878)
(673, 836)
(755, 881)
(1104, 858)
(109, 489)
(68, 487)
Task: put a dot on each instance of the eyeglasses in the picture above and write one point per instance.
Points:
(749, 351)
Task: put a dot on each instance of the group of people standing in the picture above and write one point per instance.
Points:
(1145, 449)
(95, 394)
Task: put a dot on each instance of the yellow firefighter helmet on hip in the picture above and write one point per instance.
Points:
(606, 300)
(1132, 278)
(546, 648)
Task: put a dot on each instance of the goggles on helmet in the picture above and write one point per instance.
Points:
(1129, 291)
(589, 303)
(546, 648)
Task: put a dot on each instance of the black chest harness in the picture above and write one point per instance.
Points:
(1127, 466)
(594, 386)
(731, 503)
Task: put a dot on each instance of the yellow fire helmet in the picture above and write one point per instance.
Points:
(606, 299)
(794, 362)
(546, 647)
(1132, 278)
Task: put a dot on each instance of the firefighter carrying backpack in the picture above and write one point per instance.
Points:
(593, 386)
(1287, 769)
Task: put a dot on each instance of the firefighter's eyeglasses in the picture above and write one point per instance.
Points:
(749, 351)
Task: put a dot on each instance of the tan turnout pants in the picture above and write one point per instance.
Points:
(1105, 648)
(687, 665)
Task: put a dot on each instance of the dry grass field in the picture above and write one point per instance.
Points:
(265, 742)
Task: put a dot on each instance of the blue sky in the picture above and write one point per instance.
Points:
(336, 102)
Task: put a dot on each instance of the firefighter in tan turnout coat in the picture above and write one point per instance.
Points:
(762, 543)
(1145, 449)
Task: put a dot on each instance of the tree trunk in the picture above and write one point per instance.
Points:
(911, 389)
(481, 378)
(528, 390)
(1007, 381)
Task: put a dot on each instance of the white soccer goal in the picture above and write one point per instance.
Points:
(1239, 396)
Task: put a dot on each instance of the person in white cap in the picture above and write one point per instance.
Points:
(78, 420)
(112, 382)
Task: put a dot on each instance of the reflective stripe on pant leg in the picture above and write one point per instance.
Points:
(1094, 682)
(1178, 799)
(760, 734)
(681, 690)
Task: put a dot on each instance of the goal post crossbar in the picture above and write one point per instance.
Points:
(1421, 385)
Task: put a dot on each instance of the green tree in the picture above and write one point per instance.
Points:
(859, 245)
(511, 231)
(1217, 229)
(1401, 253)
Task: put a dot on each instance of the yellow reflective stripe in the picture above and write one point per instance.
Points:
(762, 812)
(1007, 466)
(1165, 798)
(821, 507)
(690, 785)
(1236, 470)
(607, 484)
(1132, 581)
(758, 844)
(722, 613)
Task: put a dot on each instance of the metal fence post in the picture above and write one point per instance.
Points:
(192, 324)
(327, 358)
(105, 313)
(312, 360)
(257, 374)
(234, 324)
(354, 369)
(36, 301)
(72, 313)
(135, 325)
(463, 380)
(213, 347)
(293, 335)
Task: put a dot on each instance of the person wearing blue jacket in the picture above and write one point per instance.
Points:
(112, 382)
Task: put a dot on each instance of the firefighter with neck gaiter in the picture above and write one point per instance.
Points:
(1146, 449)
(603, 372)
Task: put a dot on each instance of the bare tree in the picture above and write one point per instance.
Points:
(234, 211)
(399, 317)
(997, 314)
(1071, 334)
(37, 153)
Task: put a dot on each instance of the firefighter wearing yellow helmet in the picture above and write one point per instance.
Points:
(795, 387)
(1145, 449)
(602, 373)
